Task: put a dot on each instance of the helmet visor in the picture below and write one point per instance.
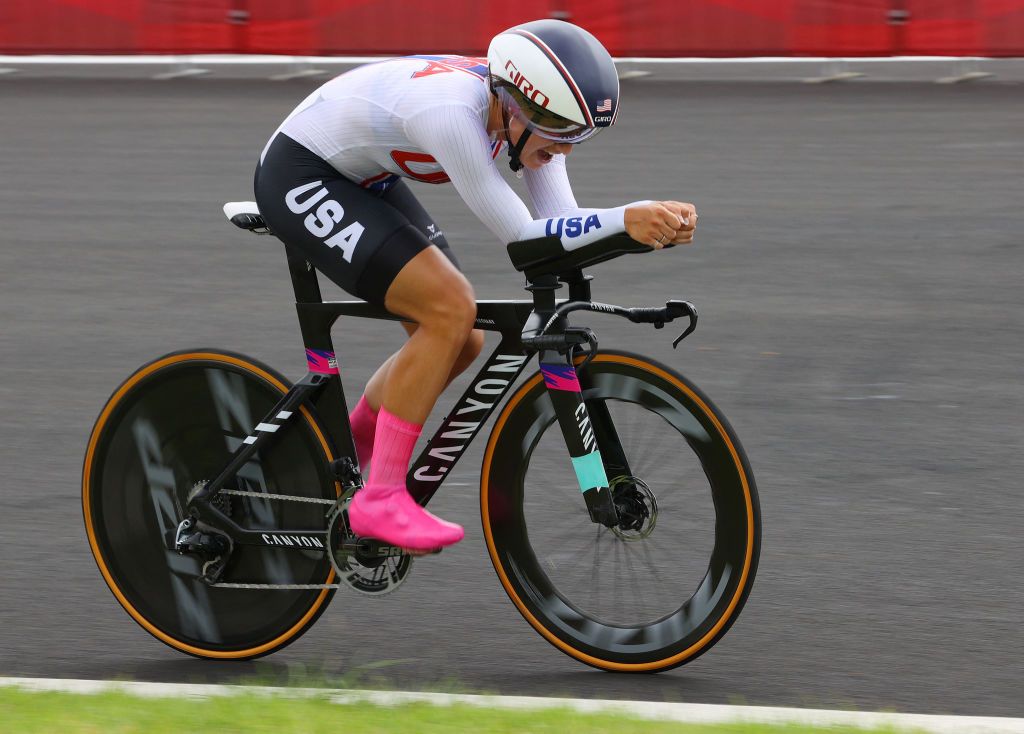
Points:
(541, 121)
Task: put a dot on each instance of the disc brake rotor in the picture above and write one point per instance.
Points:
(637, 507)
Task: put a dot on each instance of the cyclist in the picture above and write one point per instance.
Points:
(330, 184)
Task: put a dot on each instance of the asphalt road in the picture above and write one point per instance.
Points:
(858, 271)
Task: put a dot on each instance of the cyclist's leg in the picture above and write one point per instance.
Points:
(434, 294)
(370, 249)
(402, 198)
(363, 417)
(374, 392)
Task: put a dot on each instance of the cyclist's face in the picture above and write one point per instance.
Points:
(538, 150)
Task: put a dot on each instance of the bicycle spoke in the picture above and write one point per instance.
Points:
(618, 580)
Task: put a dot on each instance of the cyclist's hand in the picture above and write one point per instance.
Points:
(658, 223)
(687, 214)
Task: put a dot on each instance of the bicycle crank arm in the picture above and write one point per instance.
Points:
(370, 548)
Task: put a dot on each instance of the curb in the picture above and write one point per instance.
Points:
(693, 713)
(818, 69)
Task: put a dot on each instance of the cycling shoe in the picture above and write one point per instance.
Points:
(390, 514)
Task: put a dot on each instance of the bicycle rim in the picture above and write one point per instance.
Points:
(643, 604)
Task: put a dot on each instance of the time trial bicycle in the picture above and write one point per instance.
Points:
(618, 507)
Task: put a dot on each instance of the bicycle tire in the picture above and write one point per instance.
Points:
(174, 423)
(537, 566)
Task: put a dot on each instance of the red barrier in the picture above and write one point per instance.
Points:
(739, 27)
(649, 28)
(325, 27)
(965, 27)
(114, 26)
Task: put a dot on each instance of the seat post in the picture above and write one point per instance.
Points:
(304, 280)
(315, 322)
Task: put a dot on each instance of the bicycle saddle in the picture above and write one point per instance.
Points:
(245, 214)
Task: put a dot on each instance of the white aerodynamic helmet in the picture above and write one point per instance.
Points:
(556, 77)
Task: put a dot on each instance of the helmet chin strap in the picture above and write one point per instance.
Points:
(515, 150)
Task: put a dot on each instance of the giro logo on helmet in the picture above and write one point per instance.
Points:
(525, 85)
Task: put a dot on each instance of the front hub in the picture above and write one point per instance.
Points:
(637, 508)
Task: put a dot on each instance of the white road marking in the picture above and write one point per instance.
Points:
(694, 713)
(871, 397)
(839, 76)
(967, 76)
(181, 73)
(296, 74)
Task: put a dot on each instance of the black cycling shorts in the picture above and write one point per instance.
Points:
(359, 238)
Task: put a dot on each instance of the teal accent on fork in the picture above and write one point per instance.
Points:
(590, 471)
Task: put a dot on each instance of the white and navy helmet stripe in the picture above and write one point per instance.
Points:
(570, 82)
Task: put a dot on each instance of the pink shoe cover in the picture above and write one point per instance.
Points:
(390, 514)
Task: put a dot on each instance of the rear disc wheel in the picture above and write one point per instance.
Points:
(168, 429)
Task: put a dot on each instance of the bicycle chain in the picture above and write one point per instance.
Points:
(276, 587)
(269, 496)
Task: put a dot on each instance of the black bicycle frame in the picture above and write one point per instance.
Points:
(585, 434)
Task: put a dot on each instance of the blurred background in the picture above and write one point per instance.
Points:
(858, 272)
(650, 28)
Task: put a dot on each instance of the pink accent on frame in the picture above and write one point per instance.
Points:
(321, 361)
(560, 377)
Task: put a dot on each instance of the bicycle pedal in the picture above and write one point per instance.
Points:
(420, 553)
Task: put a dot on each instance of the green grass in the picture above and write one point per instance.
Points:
(23, 712)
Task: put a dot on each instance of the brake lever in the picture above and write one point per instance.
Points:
(675, 309)
(591, 338)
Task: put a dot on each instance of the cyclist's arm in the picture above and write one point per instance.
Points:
(455, 138)
(550, 190)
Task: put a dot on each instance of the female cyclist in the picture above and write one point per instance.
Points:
(329, 184)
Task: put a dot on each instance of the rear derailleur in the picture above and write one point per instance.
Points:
(213, 547)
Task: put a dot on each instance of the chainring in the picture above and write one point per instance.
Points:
(372, 569)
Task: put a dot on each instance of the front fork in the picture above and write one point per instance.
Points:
(589, 434)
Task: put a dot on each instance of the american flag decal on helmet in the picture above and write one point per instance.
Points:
(605, 106)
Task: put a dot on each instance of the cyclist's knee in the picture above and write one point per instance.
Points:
(452, 308)
(434, 294)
